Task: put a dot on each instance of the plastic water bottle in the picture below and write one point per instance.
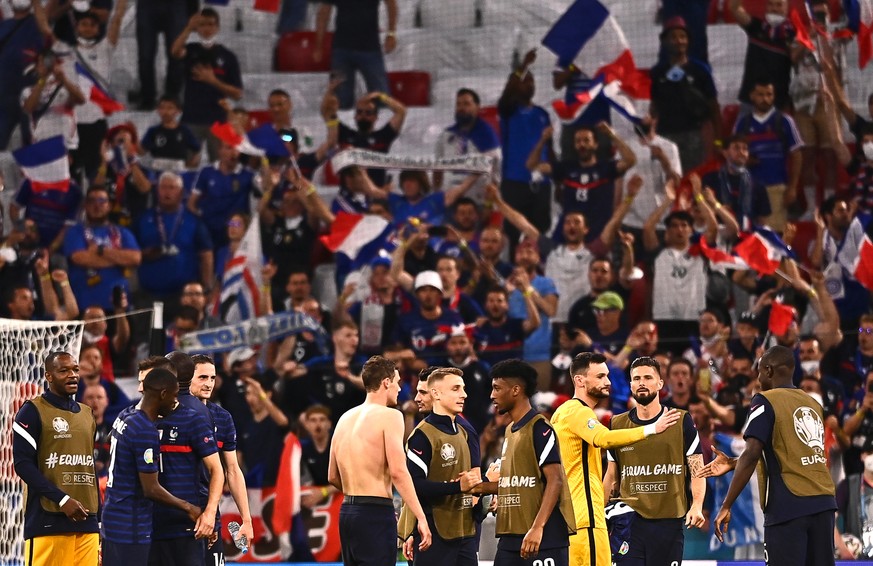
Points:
(241, 542)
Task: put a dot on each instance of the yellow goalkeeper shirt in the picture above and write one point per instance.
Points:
(580, 438)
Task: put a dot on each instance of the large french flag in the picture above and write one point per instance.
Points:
(288, 489)
(96, 93)
(357, 236)
(267, 138)
(569, 113)
(240, 297)
(717, 258)
(862, 268)
(588, 35)
(860, 16)
(763, 250)
(226, 133)
(45, 164)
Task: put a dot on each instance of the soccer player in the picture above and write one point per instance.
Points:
(132, 484)
(187, 446)
(784, 432)
(202, 387)
(653, 474)
(53, 452)
(439, 462)
(581, 436)
(366, 457)
(534, 511)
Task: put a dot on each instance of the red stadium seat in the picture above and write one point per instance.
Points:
(258, 118)
(330, 176)
(489, 114)
(712, 16)
(412, 88)
(294, 53)
(806, 232)
(729, 113)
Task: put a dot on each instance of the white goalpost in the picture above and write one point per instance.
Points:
(24, 346)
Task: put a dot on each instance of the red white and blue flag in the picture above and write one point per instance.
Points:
(569, 113)
(95, 91)
(860, 16)
(763, 250)
(717, 258)
(590, 37)
(862, 267)
(240, 297)
(357, 236)
(226, 133)
(45, 164)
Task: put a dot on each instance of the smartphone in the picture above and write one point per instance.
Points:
(117, 296)
(437, 231)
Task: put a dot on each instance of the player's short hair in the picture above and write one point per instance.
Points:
(646, 361)
(441, 373)
(155, 362)
(183, 364)
(52, 358)
(158, 379)
(518, 370)
(581, 362)
(375, 370)
(198, 359)
(778, 356)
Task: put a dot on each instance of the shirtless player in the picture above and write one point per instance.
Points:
(366, 457)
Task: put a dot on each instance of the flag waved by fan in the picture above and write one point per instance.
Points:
(240, 297)
(763, 250)
(45, 164)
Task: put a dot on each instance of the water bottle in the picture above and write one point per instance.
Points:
(241, 542)
(239, 20)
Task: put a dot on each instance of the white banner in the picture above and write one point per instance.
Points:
(251, 333)
(477, 163)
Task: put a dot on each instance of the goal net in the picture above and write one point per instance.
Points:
(24, 346)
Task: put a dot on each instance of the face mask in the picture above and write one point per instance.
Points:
(738, 169)
(87, 42)
(774, 19)
(209, 42)
(464, 119)
(868, 150)
(868, 464)
(809, 367)
(20, 5)
(364, 125)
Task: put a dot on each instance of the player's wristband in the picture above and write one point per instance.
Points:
(64, 501)
(650, 429)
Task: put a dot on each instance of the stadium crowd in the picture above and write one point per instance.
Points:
(581, 240)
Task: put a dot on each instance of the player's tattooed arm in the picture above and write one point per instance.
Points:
(695, 464)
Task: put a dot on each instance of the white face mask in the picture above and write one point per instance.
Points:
(20, 5)
(87, 42)
(774, 19)
(809, 367)
(868, 464)
(868, 150)
(207, 43)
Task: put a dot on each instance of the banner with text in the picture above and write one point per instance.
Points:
(475, 163)
(251, 333)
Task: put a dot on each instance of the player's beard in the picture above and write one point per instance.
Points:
(646, 398)
(598, 392)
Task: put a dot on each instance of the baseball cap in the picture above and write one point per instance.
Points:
(380, 260)
(428, 279)
(676, 22)
(608, 300)
(240, 355)
(748, 317)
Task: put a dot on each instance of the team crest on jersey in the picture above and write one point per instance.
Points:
(624, 548)
(447, 451)
(174, 434)
(809, 428)
(592, 422)
(60, 424)
(148, 456)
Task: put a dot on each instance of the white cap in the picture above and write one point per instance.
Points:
(240, 355)
(428, 279)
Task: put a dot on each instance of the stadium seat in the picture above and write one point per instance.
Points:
(713, 17)
(330, 176)
(489, 114)
(729, 113)
(806, 231)
(258, 118)
(412, 88)
(294, 53)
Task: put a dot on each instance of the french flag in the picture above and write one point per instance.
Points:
(45, 164)
(288, 488)
(588, 35)
(763, 250)
(96, 93)
(267, 139)
(240, 297)
(860, 16)
(717, 258)
(569, 113)
(357, 236)
(226, 133)
(862, 268)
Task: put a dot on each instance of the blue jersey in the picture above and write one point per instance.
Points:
(770, 144)
(501, 342)
(520, 132)
(51, 209)
(427, 338)
(537, 346)
(589, 190)
(134, 448)
(169, 273)
(225, 440)
(94, 286)
(185, 440)
(222, 195)
(430, 209)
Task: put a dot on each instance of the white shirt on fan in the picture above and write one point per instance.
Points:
(679, 291)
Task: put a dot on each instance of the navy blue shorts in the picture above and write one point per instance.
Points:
(215, 554)
(655, 542)
(556, 556)
(805, 541)
(368, 531)
(120, 554)
(460, 552)
(182, 551)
